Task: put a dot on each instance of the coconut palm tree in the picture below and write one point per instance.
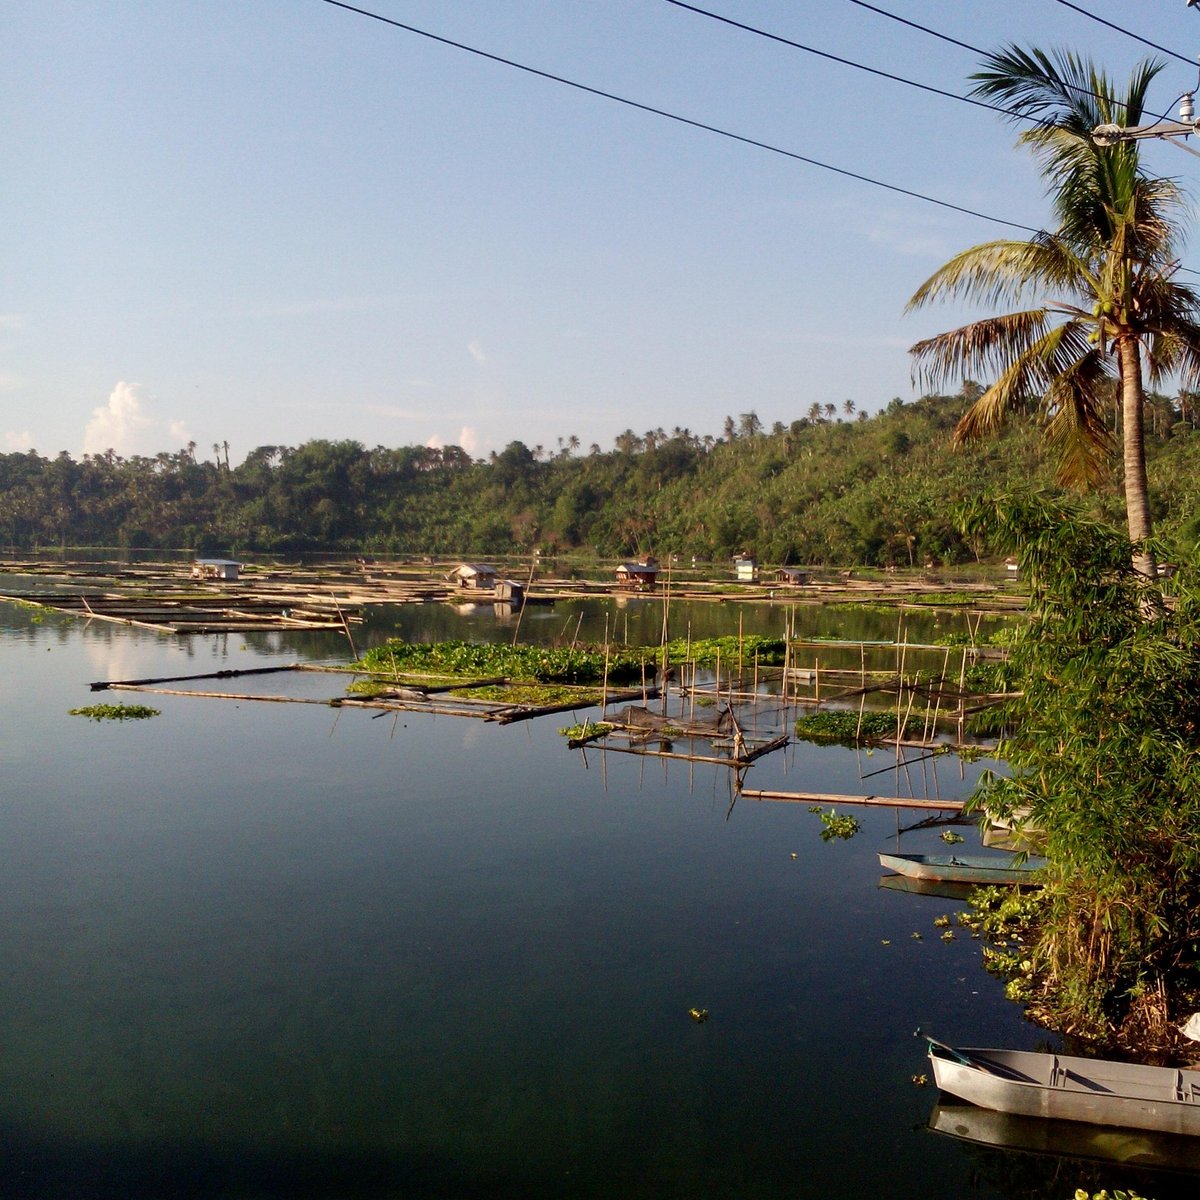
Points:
(1107, 306)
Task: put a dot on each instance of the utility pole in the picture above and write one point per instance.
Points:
(1167, 131)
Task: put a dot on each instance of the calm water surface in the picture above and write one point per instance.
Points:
(263, 950)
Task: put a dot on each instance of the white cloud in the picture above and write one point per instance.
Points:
(12, 321)
(120, 425)
(14, 442)
(477, 352)
(468, 440)
(180, 434)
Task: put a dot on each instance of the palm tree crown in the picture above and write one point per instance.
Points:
(1105, 300)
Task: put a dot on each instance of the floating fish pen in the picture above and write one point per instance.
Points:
(734, 709)
(444, 698)
(193, 613)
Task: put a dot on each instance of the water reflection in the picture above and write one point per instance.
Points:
(1028, 1157)
(274, 950)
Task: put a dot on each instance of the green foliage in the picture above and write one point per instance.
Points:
(1105, 756)
(706, 652)
(587, 729)
(830, 727)
(865, 493)
(550, 664)
(115, 712)
(842, 827)
(530, 664)
(533, 694)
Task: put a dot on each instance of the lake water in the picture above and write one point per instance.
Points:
(263, 950)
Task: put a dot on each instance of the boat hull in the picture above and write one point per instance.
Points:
(1092, 1091)
(950, 868)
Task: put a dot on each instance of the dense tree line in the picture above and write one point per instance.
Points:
(825, 489)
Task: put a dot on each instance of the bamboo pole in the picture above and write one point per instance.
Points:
(608, 748)
(962, 695)
(345, 625)
(131, 687)
(226, 674)
(839, 798)
(521, 611)
(937, 705)
(604, 684)
(665, 653)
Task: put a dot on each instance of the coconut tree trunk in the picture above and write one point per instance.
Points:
(1137, 491)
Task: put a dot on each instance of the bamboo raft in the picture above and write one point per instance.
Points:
(761, 702)
(431, 699)
(230, 612)
(327, 595)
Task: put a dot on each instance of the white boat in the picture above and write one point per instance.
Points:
(1093, 1090)
(979, 869)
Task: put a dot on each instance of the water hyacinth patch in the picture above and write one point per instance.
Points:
(115, 712)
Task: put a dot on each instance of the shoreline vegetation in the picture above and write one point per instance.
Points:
(876, 491)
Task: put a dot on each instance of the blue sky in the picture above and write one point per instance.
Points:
(265, 221)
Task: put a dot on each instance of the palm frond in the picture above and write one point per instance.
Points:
(1026, 377)
(1004, 271)
(1074, 422)
(979, 349)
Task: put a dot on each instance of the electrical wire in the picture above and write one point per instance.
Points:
(891, 16)
(846, 62)
(1091, 16)
(694, 124)
(682, 120)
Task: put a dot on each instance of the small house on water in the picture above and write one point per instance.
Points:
(216, 568)
(474, 576)
(637, 576)
(746, 567)
(791, 576)
(509, 591)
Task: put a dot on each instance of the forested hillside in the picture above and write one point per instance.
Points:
(825, 489)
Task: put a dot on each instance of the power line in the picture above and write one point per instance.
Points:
(845, 62)
(1091, 16)
(694, 124)
(891, 16)
(682, 120)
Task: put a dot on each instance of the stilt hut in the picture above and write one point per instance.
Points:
(474, 576)
(637, 576)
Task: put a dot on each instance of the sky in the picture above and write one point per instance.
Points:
(260, 222)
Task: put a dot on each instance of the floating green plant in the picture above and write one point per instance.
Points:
(580, 664)
(587, 729)
(833, 728)
(835, 826)
(527, 664)
(535, 694)
(115, 712)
